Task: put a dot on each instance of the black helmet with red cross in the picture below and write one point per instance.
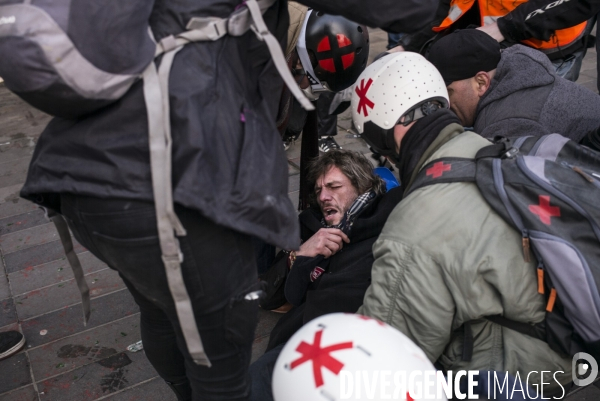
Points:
(333, 51)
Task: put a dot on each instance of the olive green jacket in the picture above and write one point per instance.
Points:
(444, 258)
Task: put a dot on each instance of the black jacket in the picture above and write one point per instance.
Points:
(540, 18)
(514, 26)
(228, 161)
(342, 286)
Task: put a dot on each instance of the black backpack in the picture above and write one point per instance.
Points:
(548, 189)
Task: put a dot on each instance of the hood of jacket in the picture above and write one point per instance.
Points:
(519, 68)
(297, 14)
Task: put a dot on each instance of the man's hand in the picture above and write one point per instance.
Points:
(326, 242)
(493, 31)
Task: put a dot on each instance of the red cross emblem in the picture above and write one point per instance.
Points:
(544, 211)
(325, 54)
(438, 169)
(363, 100)
(320, 357)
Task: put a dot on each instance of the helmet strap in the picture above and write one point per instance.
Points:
(314, 82)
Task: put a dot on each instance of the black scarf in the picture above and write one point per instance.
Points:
(418, 138)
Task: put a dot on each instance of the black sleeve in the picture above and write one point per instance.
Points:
(414, 42)
(298, 279)
(402, 16)
(535, 19)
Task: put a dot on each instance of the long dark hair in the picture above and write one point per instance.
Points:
(354, 165)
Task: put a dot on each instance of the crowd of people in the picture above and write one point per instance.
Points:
(435, 262)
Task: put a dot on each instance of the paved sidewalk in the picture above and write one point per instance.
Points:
(63, 360)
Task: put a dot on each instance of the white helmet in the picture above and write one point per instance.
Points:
(396, 85)
(351, 357)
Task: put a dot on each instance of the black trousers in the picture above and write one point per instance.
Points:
(219, 269)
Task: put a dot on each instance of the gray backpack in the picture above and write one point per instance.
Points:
(548, 189)
(69, 58)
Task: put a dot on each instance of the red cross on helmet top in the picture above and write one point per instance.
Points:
(326, 56)
(320, 357)
(438, 169)
(544, 211)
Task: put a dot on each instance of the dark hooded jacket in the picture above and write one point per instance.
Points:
(228, 161)
(526, 97)
(346, 276)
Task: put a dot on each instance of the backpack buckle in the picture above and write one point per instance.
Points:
(510, 153)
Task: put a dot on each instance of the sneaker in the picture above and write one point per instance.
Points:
(10, 343)
(326, 143)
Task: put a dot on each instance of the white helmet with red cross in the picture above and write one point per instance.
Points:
(345, 356)
(396, 85)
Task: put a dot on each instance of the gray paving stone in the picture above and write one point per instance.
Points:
(11, 193)
(17, 119)
(82, 349)
(294, 183)
(11, 327)
(23, 221)
(294, 198)
(12, 151)
(27, 393)
(4, 288)
(69, 321)
(14, 171)
(37, 255)
(153, 390)
(34, 277)
(15, 372)
(37, 302)
(98, 379)
(16, 207)
(266, 322)
(29, 237)
(8, 313)
(259, 347)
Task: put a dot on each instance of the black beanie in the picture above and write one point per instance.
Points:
(464, 53)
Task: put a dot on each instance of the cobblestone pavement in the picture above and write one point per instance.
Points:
(63, 360)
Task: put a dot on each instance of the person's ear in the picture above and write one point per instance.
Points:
(483, 81)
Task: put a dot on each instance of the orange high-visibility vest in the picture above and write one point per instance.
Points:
(491, 10)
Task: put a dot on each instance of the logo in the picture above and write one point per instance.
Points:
(543, 10)
(325, 53)
(316, 273)
(584, 369)
(8, 20)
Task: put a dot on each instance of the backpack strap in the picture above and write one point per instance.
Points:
(537, 330)
(67, 242)
(444, 171)
(247, 16)
(156, 96)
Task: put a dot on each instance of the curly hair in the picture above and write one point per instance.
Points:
(354, 165)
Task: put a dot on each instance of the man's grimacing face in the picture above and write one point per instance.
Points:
(335, 194)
